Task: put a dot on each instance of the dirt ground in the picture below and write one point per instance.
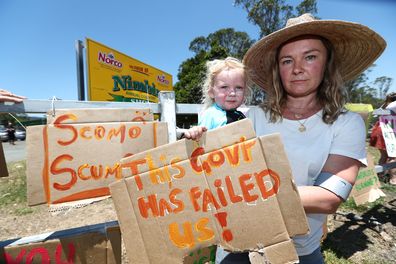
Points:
(369, 237)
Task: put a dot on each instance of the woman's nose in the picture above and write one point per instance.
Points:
(297, 67)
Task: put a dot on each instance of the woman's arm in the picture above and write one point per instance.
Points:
(316, 199)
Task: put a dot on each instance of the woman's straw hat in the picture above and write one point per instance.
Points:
(356, 46)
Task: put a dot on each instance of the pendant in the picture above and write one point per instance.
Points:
(302, 128)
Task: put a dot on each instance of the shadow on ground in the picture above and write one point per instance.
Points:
(351, 236)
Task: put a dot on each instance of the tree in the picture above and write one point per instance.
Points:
(217, 45)
(271, 15)
(268, 15)
(383, 84)
(235, 43)
(360, 91)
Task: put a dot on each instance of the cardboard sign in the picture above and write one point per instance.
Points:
(77, 155)
(93, 244)
(367, 185)
(230, 189)
(386, 123)
(3, 163)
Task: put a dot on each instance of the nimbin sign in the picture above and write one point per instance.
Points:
(114, 76)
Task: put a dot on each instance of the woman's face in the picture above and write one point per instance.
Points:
(302, 65)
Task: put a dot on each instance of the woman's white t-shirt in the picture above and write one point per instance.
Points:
(308, 151)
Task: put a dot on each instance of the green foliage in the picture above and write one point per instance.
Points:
(360, 91)
(13, 187)
(331, 258)
(219, 45)
(388, 187)
(350, 205)
(234, 43)
(268, 15)
(271, 15)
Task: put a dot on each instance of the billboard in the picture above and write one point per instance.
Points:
(114, 76)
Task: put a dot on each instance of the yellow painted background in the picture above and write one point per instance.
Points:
(114, 76)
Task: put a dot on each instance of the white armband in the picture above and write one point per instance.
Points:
(334, 184)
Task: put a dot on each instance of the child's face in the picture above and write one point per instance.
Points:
(229, 89)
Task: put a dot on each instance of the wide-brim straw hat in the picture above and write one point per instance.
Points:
(356, 46)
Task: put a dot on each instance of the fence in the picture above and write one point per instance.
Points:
(167, 108)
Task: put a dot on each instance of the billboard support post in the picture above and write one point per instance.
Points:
(168, 112)
(80, 70)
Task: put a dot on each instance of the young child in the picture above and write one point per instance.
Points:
(224, 90)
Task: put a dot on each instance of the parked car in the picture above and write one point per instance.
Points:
(3, 133)
(20, 134)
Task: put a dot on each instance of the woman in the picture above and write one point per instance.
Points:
(302, 68)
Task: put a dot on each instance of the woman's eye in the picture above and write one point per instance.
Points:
(286, 62)
(310, 57)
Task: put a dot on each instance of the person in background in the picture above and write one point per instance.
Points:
(6, 96)
(302, 68)
(226, 87)
(377, 139)
(11, 133)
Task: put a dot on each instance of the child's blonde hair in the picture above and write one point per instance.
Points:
(213, 68)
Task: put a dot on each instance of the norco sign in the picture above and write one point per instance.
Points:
(109, 59)
(114, 76)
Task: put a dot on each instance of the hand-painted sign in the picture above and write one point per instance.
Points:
(367, 185)
(77, 155)
(388, 127)
(100, 243)
(231, 189)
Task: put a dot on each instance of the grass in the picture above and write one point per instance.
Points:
(331, 258)
(13, 188)
(350, 205)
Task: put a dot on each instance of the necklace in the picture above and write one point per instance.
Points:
(298, 116)
(302, 127)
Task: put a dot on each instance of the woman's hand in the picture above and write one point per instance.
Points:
(6, 96)
(195, 133)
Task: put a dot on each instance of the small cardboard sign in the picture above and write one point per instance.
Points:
(387, 123)
(93, 244)
(3, 163)
(77, 155)
(367, 185)
(230, 189)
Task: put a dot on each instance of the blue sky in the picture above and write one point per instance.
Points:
(38, 37)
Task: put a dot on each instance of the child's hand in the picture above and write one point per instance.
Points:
(195, 133)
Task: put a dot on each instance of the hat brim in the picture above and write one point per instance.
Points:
(356, 48)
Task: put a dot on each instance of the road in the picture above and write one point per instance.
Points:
(15, 152)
